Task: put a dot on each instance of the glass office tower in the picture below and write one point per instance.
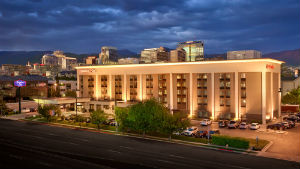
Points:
(193, 49)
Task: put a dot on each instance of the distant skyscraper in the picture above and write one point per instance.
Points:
(153, 55)
(194, 50)
(91, 60)
(243, 54)
(177, 55)
(59, 59)
(108, 55)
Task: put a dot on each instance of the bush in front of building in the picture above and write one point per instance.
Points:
(50, 112)
(235, 142)
(98, 117)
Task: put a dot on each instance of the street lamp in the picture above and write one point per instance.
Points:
(76, 101)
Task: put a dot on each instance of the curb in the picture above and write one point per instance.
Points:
(267, 146)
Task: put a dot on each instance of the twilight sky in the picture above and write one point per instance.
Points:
(83, 26)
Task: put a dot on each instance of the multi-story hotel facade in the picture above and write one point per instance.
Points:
(229, 89)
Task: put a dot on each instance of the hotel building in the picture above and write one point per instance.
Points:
(228, 89)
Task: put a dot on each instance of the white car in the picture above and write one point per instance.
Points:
(205, 122)
(254, 126)
(243, 125)
(190, 131)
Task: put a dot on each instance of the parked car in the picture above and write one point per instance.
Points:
(201, 134)
(276, 126)
(286, 124)
(292, 124)
(190, 131)
(254, 126)
(292, 118)
(223, 123)
(233, 124)
(243, 125)
(205, 122)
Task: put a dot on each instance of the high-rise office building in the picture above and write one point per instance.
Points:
(153, 55)
(194, 50)
(59, 59)
(177, 55)
(243, 54)
(108, 55)
(91, 60)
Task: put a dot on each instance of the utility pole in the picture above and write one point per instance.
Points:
(19, 91)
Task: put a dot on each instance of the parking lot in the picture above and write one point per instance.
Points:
(286, 144)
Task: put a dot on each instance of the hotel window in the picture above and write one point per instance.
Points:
(228, 93)
(178, 92)
(184, 91)
(227, 84)
(243, 93)
(221, 76)
(243, 103)
(227, 102)
(221, 102)
(199, 100)
(199, 84)
(184, 99)
(227, 76)
(243, 84)
(243, 75)
(222, 94)
(204, 93)
(204, 76)
(178, 76)
(199, 92)
(178, 100)
(178, 84)
(222, 84)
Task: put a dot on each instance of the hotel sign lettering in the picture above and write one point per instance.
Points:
(20, 83)
(269, 66)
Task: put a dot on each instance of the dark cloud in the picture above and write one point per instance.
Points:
(85, 26)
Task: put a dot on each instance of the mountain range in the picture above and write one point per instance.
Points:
(291, 57)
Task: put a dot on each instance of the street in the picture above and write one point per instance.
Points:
(31, 145)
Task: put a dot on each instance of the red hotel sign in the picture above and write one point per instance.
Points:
(269, 66)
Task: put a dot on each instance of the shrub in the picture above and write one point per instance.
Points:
(230, 141)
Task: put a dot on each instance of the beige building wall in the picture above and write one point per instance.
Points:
(255, 98)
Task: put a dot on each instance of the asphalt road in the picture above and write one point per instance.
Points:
(30, 145)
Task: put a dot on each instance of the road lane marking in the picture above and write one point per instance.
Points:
(126, 147)
(114, 151)
(171, 155)
(15, 156)
(51, 134)
(165, 161)
(74, 143)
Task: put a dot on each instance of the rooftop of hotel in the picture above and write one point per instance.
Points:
(189, 63)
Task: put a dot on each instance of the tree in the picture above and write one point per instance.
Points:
(292, 97)
(146, 116)
(70, 93)
(49, 111)
(176, 122)
(98, 117)
(121, 114)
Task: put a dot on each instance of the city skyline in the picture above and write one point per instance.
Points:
(83, 27)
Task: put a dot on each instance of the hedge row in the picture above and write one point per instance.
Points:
(230, 141)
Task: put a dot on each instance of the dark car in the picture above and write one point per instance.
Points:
(223, 123)
(201, 134)
(292, 118)
(276, 126)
